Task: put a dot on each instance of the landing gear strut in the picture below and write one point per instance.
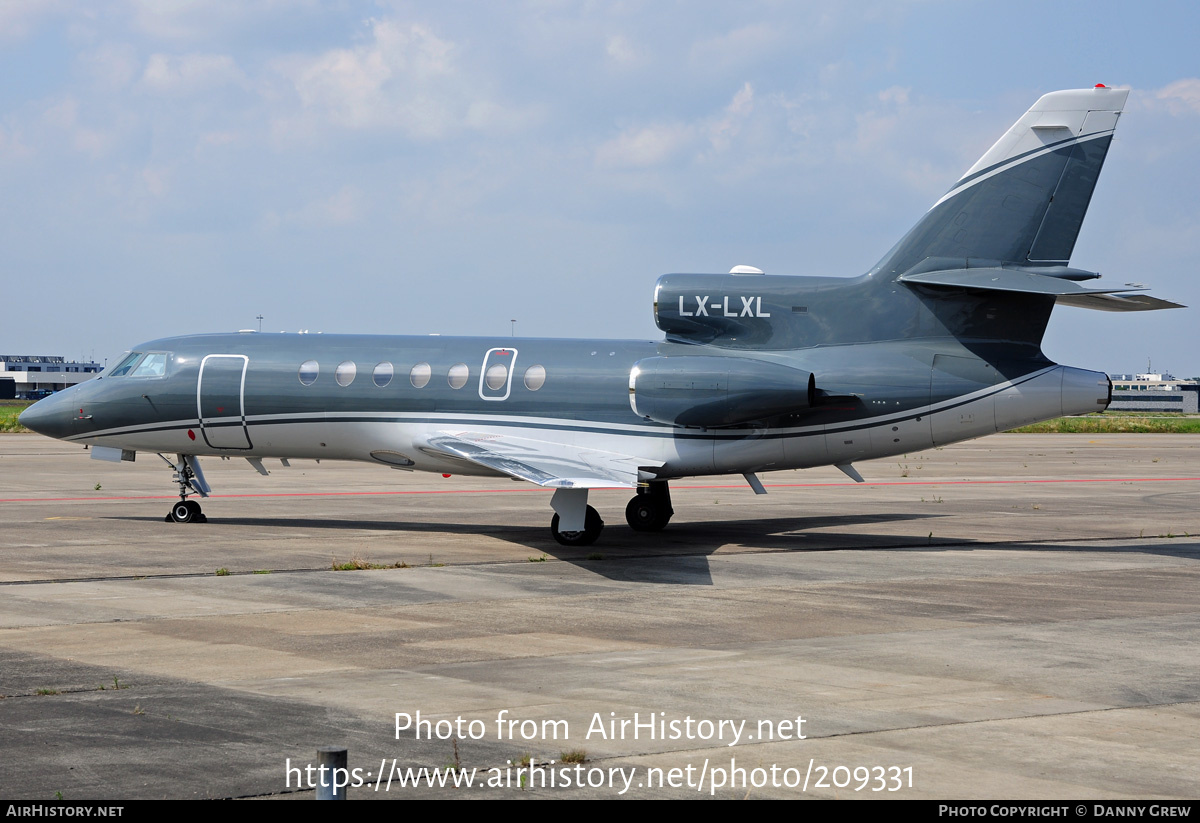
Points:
(582, 523)
(650, 510)
(190, 479)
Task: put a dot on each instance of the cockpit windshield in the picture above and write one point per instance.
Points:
(124, 366)
(153, 364)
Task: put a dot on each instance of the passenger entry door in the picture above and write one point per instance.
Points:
(496, 376)
(220, 396)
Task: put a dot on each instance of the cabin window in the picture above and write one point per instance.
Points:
(344, 373)
(420, 374)
(382, 374)
(308, 372)
(125, 365)
(457, 376)
(535, 377)
(154, 365)
(496, 376)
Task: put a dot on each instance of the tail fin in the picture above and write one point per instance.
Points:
(1024, 200)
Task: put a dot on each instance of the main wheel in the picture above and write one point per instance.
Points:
(592, 526)
(646, 514)
(184, 511)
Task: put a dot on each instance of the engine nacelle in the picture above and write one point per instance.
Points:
(712, 392)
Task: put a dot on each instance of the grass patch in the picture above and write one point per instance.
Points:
(1115, 423)
(47, 691)
(361, 563)
(10, 410)
(574, 756)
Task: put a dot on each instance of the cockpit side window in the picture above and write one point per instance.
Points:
(125, 365)
(153, 364)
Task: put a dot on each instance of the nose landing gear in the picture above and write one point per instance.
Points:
(190, 479)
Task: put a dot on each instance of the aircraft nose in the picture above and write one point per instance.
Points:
(52, 416)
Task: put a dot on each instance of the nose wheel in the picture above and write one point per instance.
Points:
(190, 479)
(186, 511)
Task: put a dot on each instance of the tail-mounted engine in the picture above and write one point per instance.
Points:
(711, 392)
(745, 311)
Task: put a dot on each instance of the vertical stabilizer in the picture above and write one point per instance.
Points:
(1024, 201)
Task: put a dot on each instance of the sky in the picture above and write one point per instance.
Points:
(412, 168)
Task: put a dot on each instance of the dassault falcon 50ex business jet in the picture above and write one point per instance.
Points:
(939, 342)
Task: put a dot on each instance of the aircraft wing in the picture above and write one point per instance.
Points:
(544, 462)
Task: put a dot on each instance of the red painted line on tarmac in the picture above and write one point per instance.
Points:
(680, 487)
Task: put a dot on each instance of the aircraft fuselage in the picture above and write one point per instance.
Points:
(282, 396)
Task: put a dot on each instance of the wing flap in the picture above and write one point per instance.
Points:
(546, 463)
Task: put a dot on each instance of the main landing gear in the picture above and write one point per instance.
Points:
(190, 479)
(575, 523)
(650, 510)
(592, 526)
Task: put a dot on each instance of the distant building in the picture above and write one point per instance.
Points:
(1154, 392)
(34, 375)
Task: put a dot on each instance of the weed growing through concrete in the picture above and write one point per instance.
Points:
(574, 756)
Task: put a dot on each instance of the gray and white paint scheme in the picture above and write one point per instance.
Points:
(939, 342)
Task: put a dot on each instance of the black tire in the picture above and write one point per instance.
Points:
(592, 526)
(184, 511)
(645, 514)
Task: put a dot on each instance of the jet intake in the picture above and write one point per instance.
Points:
(712, 392)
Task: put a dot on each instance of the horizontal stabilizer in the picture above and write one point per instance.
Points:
(1065, 291)
(1118, 302)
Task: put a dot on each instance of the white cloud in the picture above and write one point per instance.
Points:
(1181, 96)
(190, 73)
(200, 20)
(896, 94)
(404, 77)
(741, 45)
(647, 146)
(19, 17)
(660, 143)
(341, 208)
(726, 127)
(621, 51)
(111, 66)
(156, 180)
